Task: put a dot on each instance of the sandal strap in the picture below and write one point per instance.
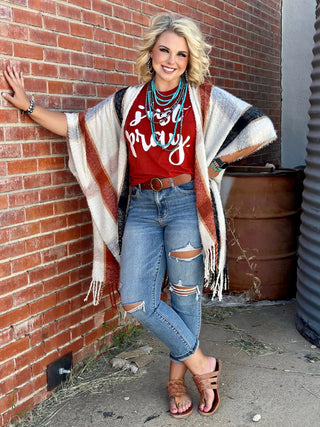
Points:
(209, 380)
(176, 388)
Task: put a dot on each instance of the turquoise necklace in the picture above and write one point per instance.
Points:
(157, 94)
(155, 97)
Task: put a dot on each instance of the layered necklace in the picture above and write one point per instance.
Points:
(154, 97)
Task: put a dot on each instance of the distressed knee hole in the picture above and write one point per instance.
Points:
(183, 290)
(131, 308)
(188, 253)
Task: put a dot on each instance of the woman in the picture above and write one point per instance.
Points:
(173, 142)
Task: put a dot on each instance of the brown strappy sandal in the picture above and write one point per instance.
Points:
(209, 381)
(176, 389)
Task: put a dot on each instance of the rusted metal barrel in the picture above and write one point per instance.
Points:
(308, 275)
(262, 210)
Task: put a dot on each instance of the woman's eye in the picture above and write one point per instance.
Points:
(162, 49)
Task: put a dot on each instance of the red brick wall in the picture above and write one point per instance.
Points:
(72, 57)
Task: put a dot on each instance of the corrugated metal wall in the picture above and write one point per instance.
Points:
(308, 276)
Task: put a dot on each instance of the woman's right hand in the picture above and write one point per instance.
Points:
(15, 80)
(55, 121)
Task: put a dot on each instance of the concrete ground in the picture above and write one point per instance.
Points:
(268, 369)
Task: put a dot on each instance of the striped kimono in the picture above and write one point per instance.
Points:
(98, 159)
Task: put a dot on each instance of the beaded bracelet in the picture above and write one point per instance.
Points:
(30, 109)
(215, 169)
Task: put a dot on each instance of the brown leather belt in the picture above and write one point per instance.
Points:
(158, 184)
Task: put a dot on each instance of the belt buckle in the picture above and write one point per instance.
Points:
(157, 180)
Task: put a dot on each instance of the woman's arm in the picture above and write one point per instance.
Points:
(54, 121)
(229, 158)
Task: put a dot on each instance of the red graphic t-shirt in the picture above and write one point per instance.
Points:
(146, 158)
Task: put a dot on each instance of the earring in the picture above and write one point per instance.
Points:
(149, 66)
(186, 75)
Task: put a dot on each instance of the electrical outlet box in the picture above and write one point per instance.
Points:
(58, 370)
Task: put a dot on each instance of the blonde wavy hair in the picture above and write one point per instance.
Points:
(198, 65)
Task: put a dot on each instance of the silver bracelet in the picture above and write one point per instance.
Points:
(30, 109)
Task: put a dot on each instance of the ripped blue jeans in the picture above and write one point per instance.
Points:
(162, 233)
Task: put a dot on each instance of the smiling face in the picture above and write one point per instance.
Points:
(170, 56)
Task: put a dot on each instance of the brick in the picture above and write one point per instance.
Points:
(42, 5)
(41, 211)
(57, 341)
(26, 327)
(95, 19)
(3, 205)
(82, 273)
(23, 50)
(22, 166)
(6, 47)
(70, 12)
(25, 263)
(7, 369)
(67, 235)
(27, 17)
(81, 59)
(43, 272)
(42, 304)
(37, 180)
(6, 303)
(67, 42)
(54, 253)
(13, 316)
(6, 12)
(60, 87)
(6, 402)
(43, 37)
(39, 242)
(56, 283)
(24, 230)
(80, 30)
(12, 250)
(67, 294)
(54, 223)
(94, 335)
(9, 151)
(55, 55)
(22, 377)
(39, 335)
(35, 149)
(66, 206)
(68, 264)
(93, 47)
(62, 177)
(6, 335)
(24, 296)
(5, 270)
(82, 328)
(15, 282)
(12, 183)
(74, 103)
(44, 70)
(57, 25)
(56, 313)
(14, 348)
(24, 198)
(50, 194)
(73, 346)
(19, 133)
(80, 246)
